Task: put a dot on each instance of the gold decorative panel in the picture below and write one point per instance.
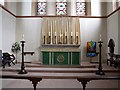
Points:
(60, 58)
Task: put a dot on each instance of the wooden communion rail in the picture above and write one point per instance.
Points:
(36, 77)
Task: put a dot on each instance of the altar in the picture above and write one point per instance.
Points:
(60, 38)
(61, 54)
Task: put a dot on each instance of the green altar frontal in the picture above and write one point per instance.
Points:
(61, 56)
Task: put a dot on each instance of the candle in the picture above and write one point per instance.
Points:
(65, 33)
(49, 33)
(55, 33)
(44, 33)
(60, 38)
(23, 38)
(60, 34)
(100, 37)
(76, 33)
(71, 33)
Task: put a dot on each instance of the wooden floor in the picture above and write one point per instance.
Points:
(57, 72)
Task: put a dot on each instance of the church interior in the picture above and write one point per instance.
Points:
(60, 44)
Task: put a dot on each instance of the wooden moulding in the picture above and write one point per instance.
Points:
(60, 16)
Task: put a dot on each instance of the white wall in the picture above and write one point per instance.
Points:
(119, 31)
(31, 28)
(109, 7)
(0, 28)
(24, 8)
(11, 6)
(0, 41)
(91, 29)
(112, 28)
(8, 31)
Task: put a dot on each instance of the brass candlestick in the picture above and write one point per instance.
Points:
(55, 40)
(49, 39)
(44, 40)
(65, 39)
(77, 40)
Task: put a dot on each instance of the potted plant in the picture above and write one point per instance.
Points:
(15, 48)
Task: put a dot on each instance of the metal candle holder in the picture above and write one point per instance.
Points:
(100, 71)
(44, 39)
(22, 71)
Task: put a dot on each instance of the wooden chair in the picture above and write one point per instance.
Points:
(114, 58)
(111, 46)
(7, 59)
(111, 59)
(117, 61)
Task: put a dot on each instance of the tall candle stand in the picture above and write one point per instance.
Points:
(100, 71)
(22, 71)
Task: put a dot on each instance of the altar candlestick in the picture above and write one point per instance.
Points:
(44, 39)
(65, 37)
(55, 38)
(49, 38)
